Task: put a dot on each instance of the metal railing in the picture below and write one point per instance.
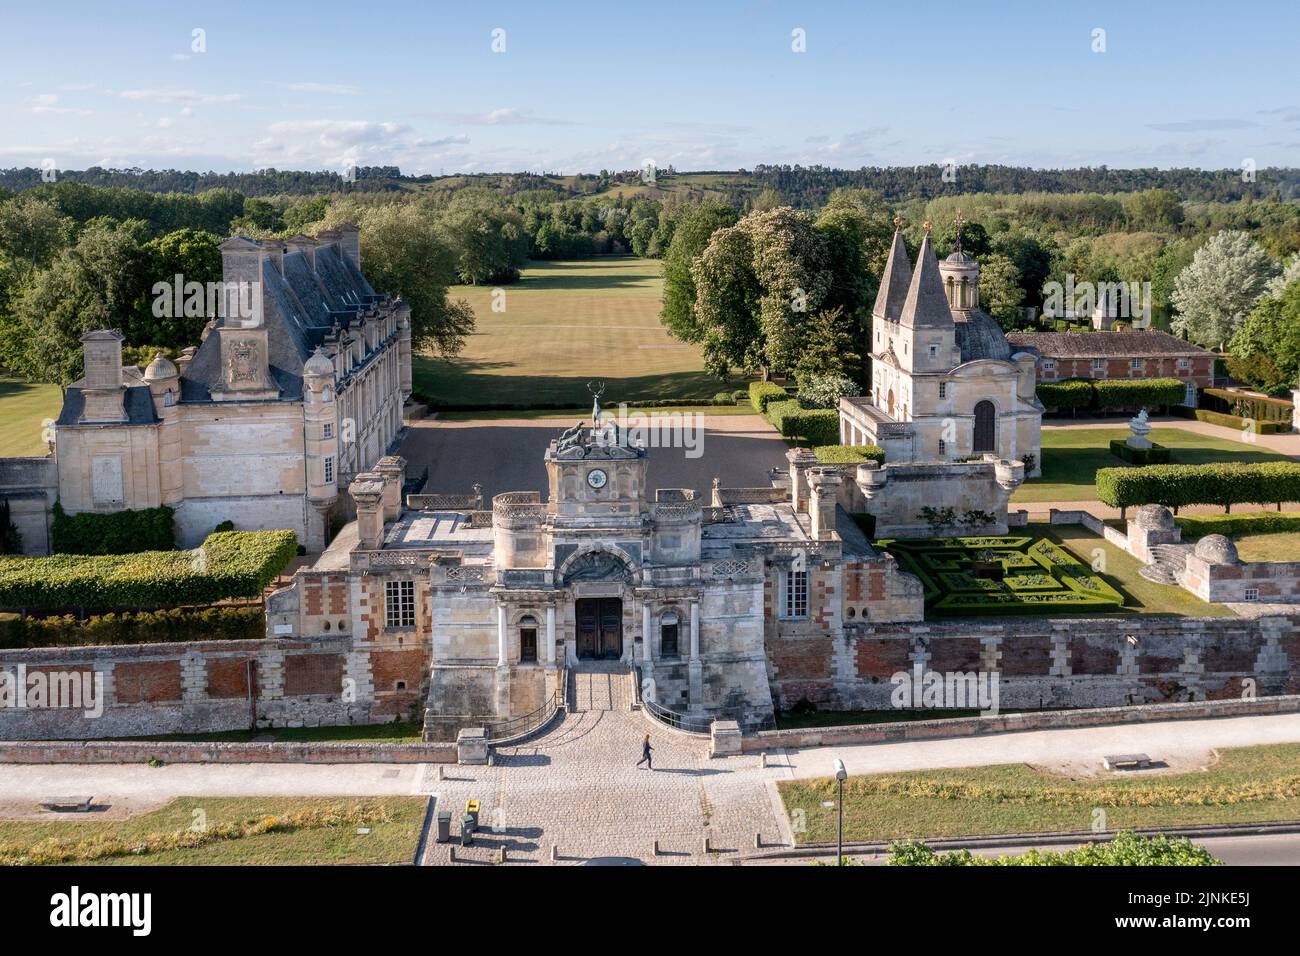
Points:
(687, 723)
(525, 724)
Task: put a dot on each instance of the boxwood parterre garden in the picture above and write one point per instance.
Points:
(1011, 574)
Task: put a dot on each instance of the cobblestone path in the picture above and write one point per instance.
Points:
(577, 788)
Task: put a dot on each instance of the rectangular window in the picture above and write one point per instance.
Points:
(399, 603)
(668, 646)
(1184, 363)
(1252, 594)
(795, 599)
(943, 389)
(1049, 365)
(329, 471)
(1099, 365)
(1136, 364)
(328, 431)
(934, 351)
(943, 448)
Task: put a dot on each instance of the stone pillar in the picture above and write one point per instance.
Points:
(550, 633)
(502, 643)
(695, 630)
(367, 490)
(646, 634)
(825, 487)
(392, 468)
(799, 460)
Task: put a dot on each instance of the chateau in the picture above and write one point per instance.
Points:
(946, 385)
(479, 613)
(261, 424)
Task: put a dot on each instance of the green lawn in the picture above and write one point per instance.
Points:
(394, 824)
(1071, 457)
(564, 324)
(1282, 546)
(23, 408)
(568, 416)
(1248, 784)
(1120, 570)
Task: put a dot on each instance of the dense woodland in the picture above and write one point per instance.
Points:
(769, 271)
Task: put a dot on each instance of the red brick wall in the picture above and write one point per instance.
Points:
(147, 682)
(955, 654)
(1201, 371)
(882, 658)
(313, 674)
(228, 677)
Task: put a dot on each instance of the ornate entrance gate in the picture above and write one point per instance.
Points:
(600, 628)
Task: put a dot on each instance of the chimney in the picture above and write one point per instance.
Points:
(367, 491)
(102, 391)
(824, 484)
(305, 245)
(392, 469)
(349, 239)
(273, 252)
(799, 459)
(240, 260)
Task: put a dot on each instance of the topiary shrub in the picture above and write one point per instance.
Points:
(761, 394)
(849, 454)
(815, 426)
(1155, 455)
(1221, 483)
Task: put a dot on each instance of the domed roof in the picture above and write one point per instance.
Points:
(1154, 518)
(957, 257)
(318, 364)
(159, 368)
(1216, 549)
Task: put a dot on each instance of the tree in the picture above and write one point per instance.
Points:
(1000, 293)
(1159, 210)
(195, 256)
(689, 236)
(828, 348)
(1216, 292)
(32, 230)
(1268, 343)
(857, 227)
(403, 253)
(1032, 258)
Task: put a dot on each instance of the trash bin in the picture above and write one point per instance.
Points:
(472, 808)
(444, 826)
(466, 829)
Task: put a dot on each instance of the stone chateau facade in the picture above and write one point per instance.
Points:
(497, 603)
(263, 424)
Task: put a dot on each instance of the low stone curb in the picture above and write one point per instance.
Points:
(96, 752)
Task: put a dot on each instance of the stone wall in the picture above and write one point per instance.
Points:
(209, 686)
(29, 487)
(1044, 662)
(1268, 582)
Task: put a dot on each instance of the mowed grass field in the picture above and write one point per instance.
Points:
(1071, 457)
(564, 324)
(156, 837)
(23, 407)
(1246, 785)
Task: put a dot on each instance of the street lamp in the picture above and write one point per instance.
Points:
(840, 775)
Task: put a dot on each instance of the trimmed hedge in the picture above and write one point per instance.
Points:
(1253, 522)
(1155, 455)
(228, 564)
(147, 627)
(1067, 393)
(1221, 483)
(117, 532)
(1260, 409)
(1111, 393)
(1135, 392)
(1239, 424)
(849, 454)
(762, 393)
(816, 426)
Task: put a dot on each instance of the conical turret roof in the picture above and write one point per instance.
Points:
(894, 283)
(926, 304)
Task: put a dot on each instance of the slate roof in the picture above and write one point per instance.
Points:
(138, 402)
(894, 283)
(926, 305)
(980, 337)
(1125, 344)
(300, 309)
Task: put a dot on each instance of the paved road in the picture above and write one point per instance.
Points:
(1179, 742)
(506, 455)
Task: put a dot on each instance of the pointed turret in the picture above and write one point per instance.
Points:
(926, 305)
(897, 277)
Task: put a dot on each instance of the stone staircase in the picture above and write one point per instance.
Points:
(600, 685)
(1167, 563)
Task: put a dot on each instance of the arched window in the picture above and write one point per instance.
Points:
(528, 639)
(668, 630)
(986, 434)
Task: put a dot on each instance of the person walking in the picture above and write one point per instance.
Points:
(645, 753)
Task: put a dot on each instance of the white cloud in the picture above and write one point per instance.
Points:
(340, 89)
(505, 116)
(172, 95)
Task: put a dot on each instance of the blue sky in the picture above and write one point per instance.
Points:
(712, 84)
